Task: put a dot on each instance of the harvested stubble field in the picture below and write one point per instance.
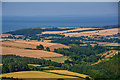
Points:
(22, 44)
(68, 73)
(52, 46)
(61, 32)
(28, 53)
(34, 74)
(105, 32)
(16, 44)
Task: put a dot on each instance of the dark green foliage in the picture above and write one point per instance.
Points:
(87, 78)
(12, 63)
(48, 49)
(40, 47)
(67, 40)
(60, 79)
(80, 54)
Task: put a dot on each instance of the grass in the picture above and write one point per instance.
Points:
(35, 65)
(57, 59)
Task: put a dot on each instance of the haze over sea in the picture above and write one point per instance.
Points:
(21, 15)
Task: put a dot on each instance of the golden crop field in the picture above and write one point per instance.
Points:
(16, 44)
(68, 73)
(18, 47)
(97, 32)
(28, 53)
(61, 32)
(34, 74)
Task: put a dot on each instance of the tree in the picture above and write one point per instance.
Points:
(40, 47)
(48, 49)
(87, 78)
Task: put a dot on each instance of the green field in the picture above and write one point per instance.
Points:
(57, 59)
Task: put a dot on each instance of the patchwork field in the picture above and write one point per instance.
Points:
(65, 72)
(22, 44)
(61, 32)
(34, 74)
(28, 53)
(97, 32)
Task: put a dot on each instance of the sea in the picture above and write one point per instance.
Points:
(12, 24)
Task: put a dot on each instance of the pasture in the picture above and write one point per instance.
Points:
(57, 59)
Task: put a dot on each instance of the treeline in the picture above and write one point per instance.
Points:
(12, 63)
(34, 31)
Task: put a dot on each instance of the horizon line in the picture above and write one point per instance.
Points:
(59, 0)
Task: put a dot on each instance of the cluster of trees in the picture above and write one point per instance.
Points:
(41, 47)
(68, 40)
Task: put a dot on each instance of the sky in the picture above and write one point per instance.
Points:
(60, 0)
(18, 15)
(75, 9)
